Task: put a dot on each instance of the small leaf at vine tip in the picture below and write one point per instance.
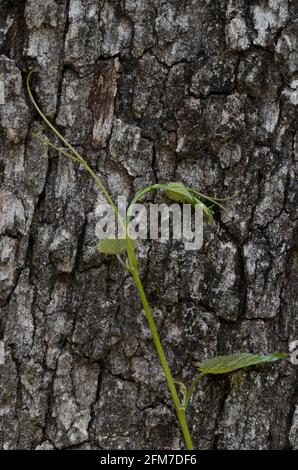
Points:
(224, 364)
(178, 192)
(109, 246)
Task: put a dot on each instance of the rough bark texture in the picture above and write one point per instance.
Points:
(204, 92)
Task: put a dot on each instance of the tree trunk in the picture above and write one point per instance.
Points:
(203, 92)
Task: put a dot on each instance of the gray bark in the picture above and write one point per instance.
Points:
(203, 92)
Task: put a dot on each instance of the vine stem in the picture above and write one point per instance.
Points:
(180, 410)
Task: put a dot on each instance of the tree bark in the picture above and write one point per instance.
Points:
(203, 92)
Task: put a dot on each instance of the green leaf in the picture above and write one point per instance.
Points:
(224, 364)
(110, 246)
(178, 192)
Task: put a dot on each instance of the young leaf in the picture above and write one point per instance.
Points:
(110, 246)
(178, 192)
(224, 364)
